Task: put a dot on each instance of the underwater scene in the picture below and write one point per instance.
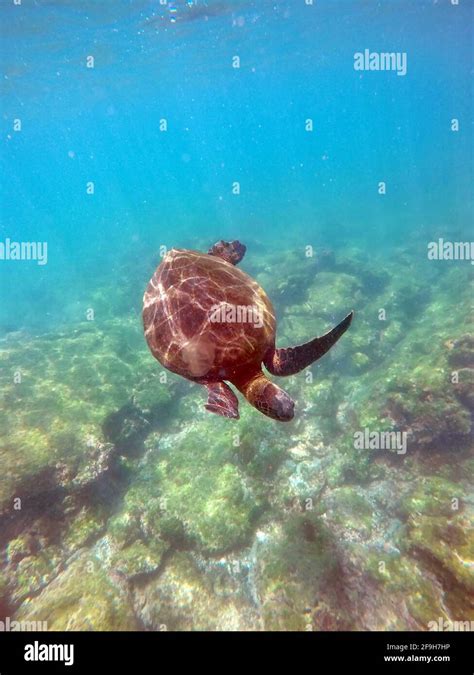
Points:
(236, 329)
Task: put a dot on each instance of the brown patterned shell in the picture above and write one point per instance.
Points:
(206, 319)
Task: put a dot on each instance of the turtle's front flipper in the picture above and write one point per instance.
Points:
(222, 400)
(294, 359)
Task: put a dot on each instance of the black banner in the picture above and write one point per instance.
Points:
(154, 652)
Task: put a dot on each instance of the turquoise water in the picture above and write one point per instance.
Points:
(140, 510)
(225, 124)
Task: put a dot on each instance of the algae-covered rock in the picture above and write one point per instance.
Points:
(204, 492)
(423, 560)
(464, 387)
(183, 598)
(334, 294)
(32, 574)
(350, 509)
(84, 528)
(259, 446)
(447, 547)
(3, 587)
(188, 489)
(296, 577)
(461, 351)
(57, 393)
(439, 530)
(82, 597)
(30, 564)
(360, 361)
(390, 585)
(390, 589)
(138, 558)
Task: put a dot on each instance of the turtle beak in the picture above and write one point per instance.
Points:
(283, 407)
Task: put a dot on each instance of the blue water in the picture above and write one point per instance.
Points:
(174, 187)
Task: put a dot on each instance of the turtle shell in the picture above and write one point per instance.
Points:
(204, 318)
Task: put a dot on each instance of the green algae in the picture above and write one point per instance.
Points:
(332, 291)
(190, 490)
(32, 572)
(321, 402)
(297, 571)
(3, 586)
(353, 466)
(259, 446)
(84, 528)
(68, 387)
(207, 495)
(124, 527)
(413, 387)
(406, 582)
(183, 598)
(81, 598)
(360, 361)
(138, 559)
(432, 496)
(353, 511)
(447, 547)
(18, 548)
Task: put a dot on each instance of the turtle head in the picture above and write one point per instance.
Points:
(265, 395)
(230, 251)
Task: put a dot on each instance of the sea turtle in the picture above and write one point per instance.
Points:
(209, 322)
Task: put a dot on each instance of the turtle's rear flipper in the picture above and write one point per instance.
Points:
(222, 400)
(294, 359)
(230, 251)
